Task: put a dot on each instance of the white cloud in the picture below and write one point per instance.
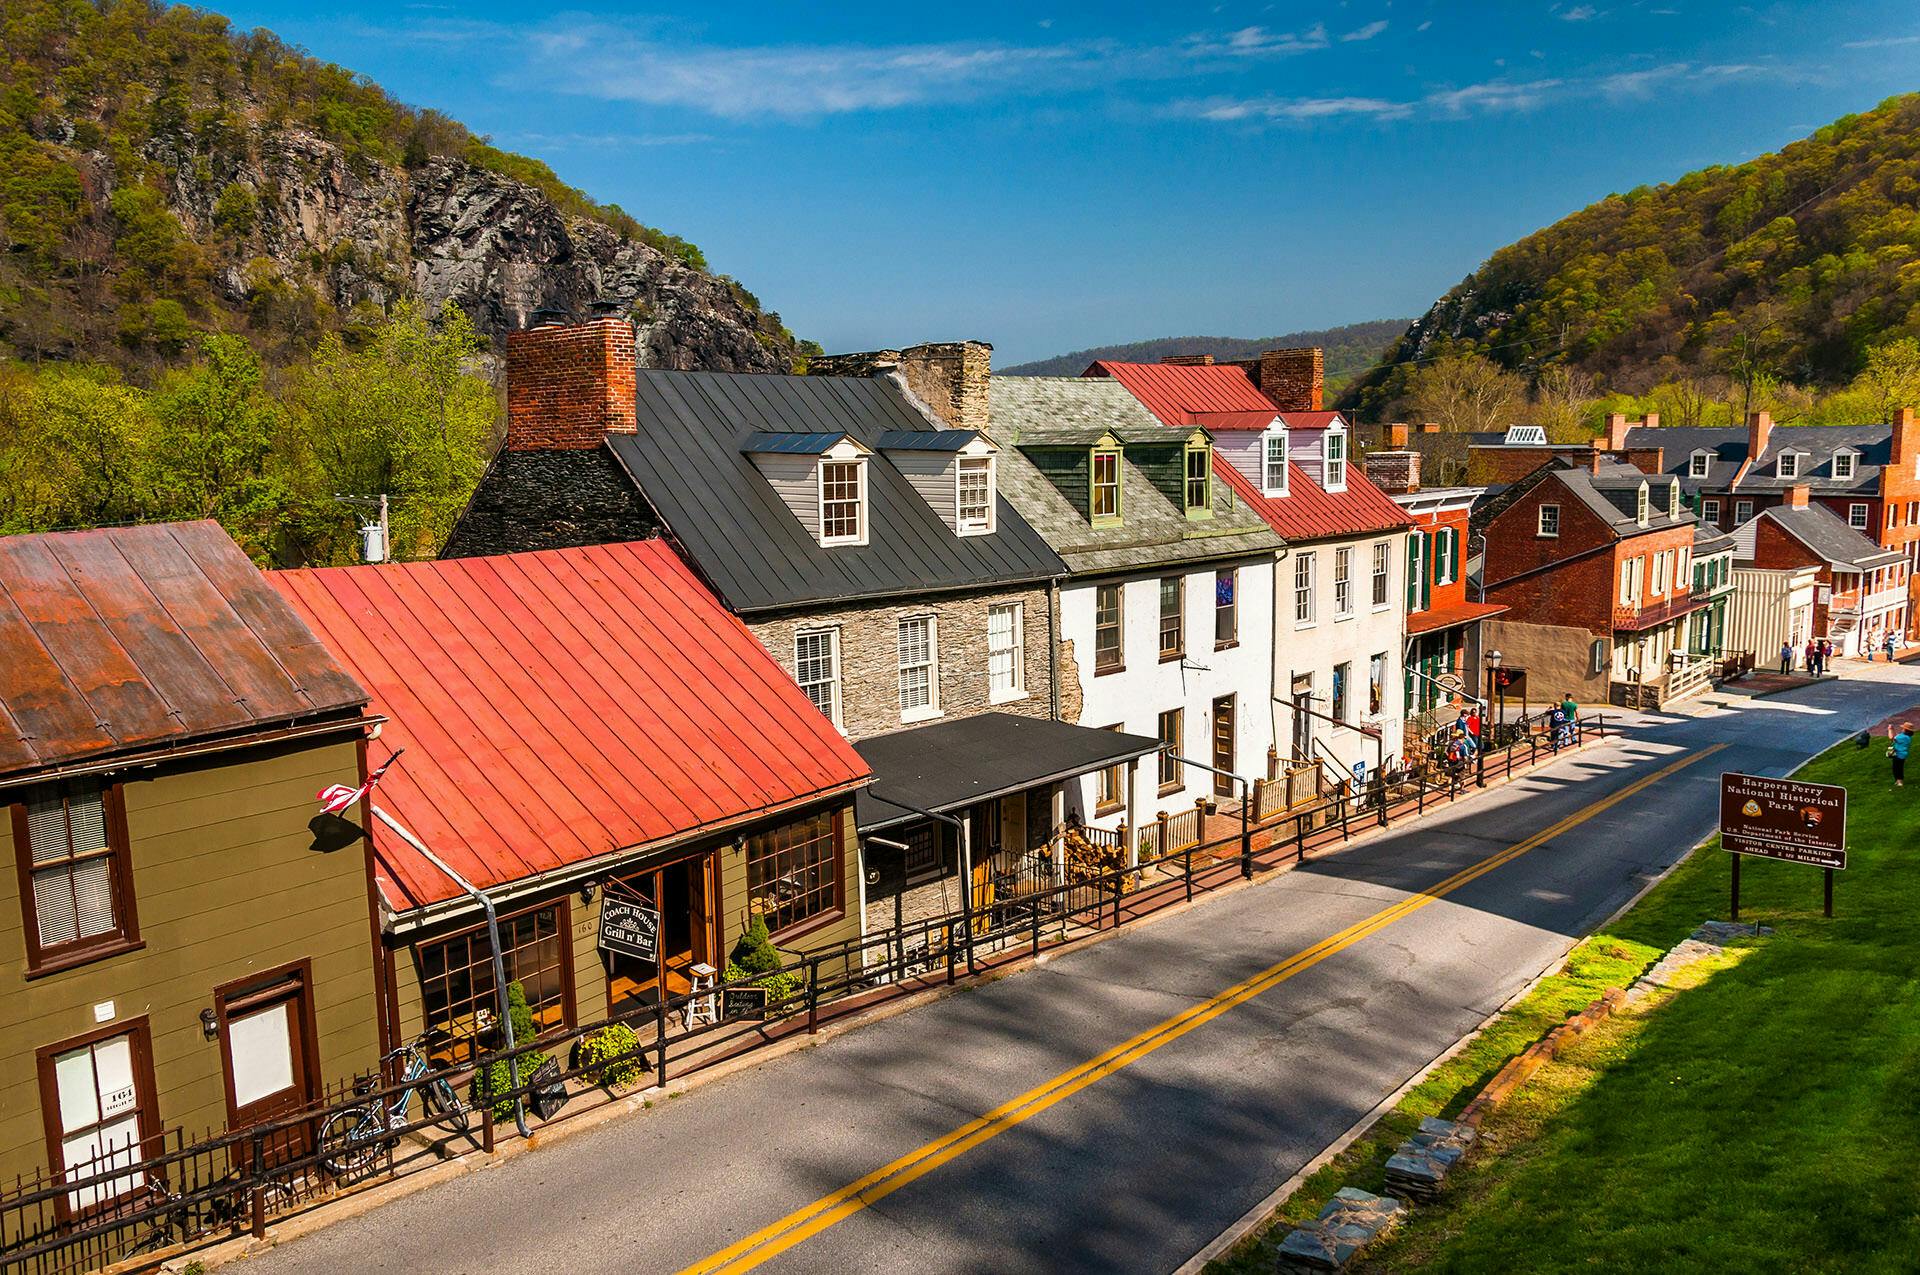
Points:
(1883, 42)
(1250, 42)
(1294, 108)
(1580, 13)
(1365, 33)
(1492, 97)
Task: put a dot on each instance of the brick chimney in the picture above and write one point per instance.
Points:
(1397, 434)
(1759, 426)
(1293, 379)
(569, 385)
(1796, 497)
(1187, 360)
(1429, 427)
(950, 377)
(1906, 437)
(1396, 473)
(1617, 426)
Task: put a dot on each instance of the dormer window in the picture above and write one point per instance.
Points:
(1199, 484)
(843, 502)
(1673, 500)
(1273, 463)
(1697, 464)
(974, 510)
(1336, 459)
(1843, 465)
(1788, 466)
(1645, 505)
(1104, 496)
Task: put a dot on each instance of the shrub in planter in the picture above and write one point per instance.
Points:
(610, 1056)
(493, 1081)
(755, 960)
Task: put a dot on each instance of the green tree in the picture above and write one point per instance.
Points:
(219, 446)
(1891, 379)
(91, 439)
(1465, 392)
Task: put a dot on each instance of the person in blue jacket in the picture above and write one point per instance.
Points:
(1898, 746)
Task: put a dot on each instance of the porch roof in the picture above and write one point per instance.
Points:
(1438, 618)
(953, 764)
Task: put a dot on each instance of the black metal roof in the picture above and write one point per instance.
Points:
(812, 444)
(1827, 534)
(927, 440)
(687, 460)
(955, 763)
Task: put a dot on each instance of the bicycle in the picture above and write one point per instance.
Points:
(354, 1137)
(180, 1220)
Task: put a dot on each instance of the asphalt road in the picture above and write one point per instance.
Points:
(1136, 1166)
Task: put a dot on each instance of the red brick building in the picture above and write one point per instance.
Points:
(1861, 591)
(1594, 564)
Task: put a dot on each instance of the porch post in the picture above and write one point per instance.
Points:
(1133, 811)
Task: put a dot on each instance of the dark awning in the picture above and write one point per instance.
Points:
(953, 764)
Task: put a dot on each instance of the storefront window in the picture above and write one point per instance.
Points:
(793, 871)
(456, 975)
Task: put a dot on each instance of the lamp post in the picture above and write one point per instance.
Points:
(1492, 683)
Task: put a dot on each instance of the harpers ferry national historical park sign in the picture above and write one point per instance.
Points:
(1783, 819)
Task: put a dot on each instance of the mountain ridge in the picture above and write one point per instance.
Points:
(1350, 349)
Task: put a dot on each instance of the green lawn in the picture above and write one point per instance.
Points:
(1767, 1119)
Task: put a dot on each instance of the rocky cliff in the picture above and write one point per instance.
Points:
(169, 177)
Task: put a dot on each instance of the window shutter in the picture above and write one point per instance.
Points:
(1426, 581)
(1413, 572)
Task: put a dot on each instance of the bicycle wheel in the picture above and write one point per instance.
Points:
(443, 1102)
(349, 1141)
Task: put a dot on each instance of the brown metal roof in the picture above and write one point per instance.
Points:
(140, 638)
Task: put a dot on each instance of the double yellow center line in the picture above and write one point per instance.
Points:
(803, 1223)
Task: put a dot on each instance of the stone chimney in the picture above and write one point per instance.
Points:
(569, 385)
(1397, 434)
(1397, 473)
(1796, 497)
(1906, 438)
(950, 377)
(1759, 426)
(1293, 379)
(1187, 360)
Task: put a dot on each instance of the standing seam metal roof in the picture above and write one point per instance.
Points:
(127, 639)
(561, 705)
(686, 460)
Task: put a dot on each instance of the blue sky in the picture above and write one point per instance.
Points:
(1051, 176)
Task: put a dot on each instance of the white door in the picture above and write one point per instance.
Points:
(98, 1091)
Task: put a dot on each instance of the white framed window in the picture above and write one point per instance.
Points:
(1006, 642)
(1336, 459)
(1105, 492)
(1673, 500)
(843, 502)
(1788, 466)
(1682, 562)
(1417, 582)
(1273, 464)
(1644, 507)
(1382, 556)
(1199, 485)
(1742, 512)
(1173, 617)
(1172, 730)
(1843, 464)
(1342, 676)
(1343, 583)
(1376, 684)
(1710, 510)
(1857, 517)
(816, 666)
(1661, 561)
(1549, 521)
(1303, 608)
(1445, 568)
(1633, 575)
(1226, 607)
(919, 657)
(974, 498)
(1697, 464)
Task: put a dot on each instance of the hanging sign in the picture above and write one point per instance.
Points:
(630, 928)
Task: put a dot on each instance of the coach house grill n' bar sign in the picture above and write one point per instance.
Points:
(1784, 819)
(628, 927)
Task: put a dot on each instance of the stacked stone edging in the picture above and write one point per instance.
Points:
(1351, 1220)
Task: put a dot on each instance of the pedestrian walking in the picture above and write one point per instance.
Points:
(1813, 657)
(1826, 654)
(1889, 646)
(1898, 746)
(1557, 726)
(1786, 657)
(1571, 707)
(1473, 723)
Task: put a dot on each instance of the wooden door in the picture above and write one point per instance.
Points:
(267, 1046)
(701, 910)
(1223, 737)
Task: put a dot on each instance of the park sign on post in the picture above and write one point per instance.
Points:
(629, 928)
(1784, 819)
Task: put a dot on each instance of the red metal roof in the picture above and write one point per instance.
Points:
(1309, 420)
(1189, 394)
(561, 705)
(1448, 617)
(136, 639)
(1310, 512)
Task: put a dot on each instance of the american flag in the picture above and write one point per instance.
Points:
(336, 799)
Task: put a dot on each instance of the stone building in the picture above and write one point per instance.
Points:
(857, 529)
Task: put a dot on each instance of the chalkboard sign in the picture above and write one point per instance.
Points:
(630, 928)
(548, 1093)
(743, 1002)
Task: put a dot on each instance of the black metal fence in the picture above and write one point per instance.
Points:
(171, 1193)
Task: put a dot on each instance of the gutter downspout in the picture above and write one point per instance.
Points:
(493, 941)
(1053, 646)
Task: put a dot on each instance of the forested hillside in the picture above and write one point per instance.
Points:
(1786, 270)
(235, 280)
(1351, 350)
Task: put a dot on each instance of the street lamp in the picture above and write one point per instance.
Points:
(1486, 732)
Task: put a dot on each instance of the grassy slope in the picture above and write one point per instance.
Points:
(1767, 1119)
